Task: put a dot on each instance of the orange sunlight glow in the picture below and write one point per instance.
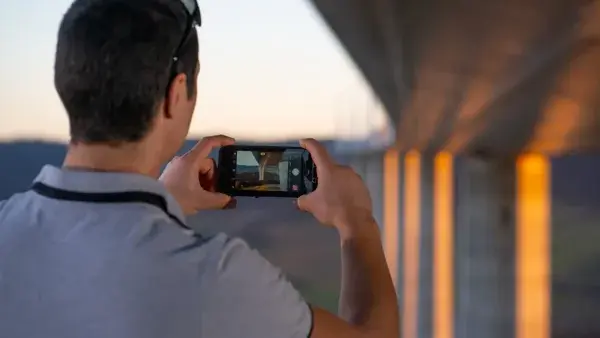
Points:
(443, 255)
(533, 247)
(411, 246)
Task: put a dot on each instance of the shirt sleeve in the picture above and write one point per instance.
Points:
(251, 298)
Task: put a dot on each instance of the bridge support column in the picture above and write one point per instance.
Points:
(417, 245)
(485, 248)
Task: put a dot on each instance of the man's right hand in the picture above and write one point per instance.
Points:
(341, 198)
(191, 178)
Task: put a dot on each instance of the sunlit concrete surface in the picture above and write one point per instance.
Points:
(533, 210)
(489, 77)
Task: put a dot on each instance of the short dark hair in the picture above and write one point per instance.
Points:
(113, 65)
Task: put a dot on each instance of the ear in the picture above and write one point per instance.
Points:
(176, 94)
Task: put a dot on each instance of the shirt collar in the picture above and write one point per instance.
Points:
(107, 182)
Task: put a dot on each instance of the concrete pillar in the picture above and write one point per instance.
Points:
(417, 246)
(485, 248)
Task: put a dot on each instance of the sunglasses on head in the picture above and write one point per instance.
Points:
(193, 19)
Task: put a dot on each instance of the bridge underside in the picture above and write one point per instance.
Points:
(492, 77)
(468, 238)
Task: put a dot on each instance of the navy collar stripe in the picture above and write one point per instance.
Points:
(107, 197)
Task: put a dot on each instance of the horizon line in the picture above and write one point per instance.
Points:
(53, 138)
(57, 140)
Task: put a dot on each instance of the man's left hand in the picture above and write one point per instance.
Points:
(191, 178)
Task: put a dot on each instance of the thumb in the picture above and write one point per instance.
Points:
(214, 200)
(303, 203)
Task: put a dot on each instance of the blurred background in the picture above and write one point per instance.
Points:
(474, 123)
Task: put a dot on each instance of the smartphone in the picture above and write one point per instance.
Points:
(266, 171)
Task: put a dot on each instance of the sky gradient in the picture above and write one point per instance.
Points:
(271, 69)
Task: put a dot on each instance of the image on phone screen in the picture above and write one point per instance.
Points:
(274, 171)
(268, 170)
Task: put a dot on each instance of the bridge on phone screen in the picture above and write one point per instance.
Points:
(483, 97)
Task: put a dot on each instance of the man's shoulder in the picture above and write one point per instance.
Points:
(219, 255)
(10, 200)
(216, 258)
(16, 202)
(218, 251)
(232, 251)
(223, 250)
(237, 260)
(249, 295)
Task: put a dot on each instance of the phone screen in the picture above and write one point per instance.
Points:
(274, 171)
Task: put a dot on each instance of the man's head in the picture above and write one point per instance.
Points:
(126, 72)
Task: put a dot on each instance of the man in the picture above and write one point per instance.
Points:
(100, 247)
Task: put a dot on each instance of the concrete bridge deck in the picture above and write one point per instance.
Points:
(479, 76)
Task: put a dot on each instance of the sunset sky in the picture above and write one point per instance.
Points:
(271, 69)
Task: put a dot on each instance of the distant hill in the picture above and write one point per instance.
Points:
(576, 178)
(21, 161)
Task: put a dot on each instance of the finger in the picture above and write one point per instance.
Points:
(203, 148)
(207, 166)
(173, 160)
(207, 174)
(318, 153)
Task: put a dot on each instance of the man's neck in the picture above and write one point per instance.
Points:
(130, 158)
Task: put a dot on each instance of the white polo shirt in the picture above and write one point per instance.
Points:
(108, 255)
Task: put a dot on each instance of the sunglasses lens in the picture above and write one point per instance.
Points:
(192, 7)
